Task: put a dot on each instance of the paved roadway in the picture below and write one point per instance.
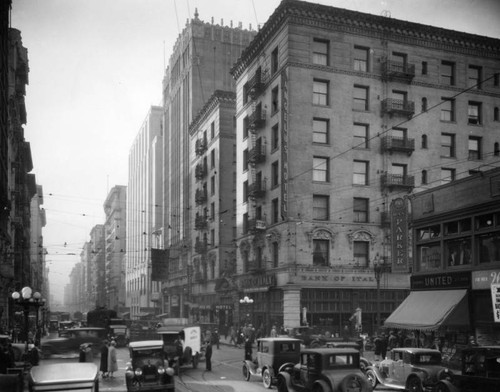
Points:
(226, 374)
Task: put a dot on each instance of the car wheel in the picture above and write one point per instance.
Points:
(196, 359)
(281, 384)
(315, 344)
(363, 364)
(414, 385)
(355, 382)
(267, 379)
(246, 373)
(372, 378)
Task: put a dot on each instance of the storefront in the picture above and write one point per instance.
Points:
(486, 321)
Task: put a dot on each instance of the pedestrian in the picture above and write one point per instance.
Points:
(383, 347)
(112, 363)
(6, 361)
(216, 338)
(274, 333)
(232, 334)
(103, 367)
(393, 341)
(208, 356)
(248, 349)
(377, 342)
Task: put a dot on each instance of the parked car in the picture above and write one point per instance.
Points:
(182, 345)
(68, 376)
(480, 371)
(70, 344)
(412, 369)
(363, 362)
(272, 354)
(148, 368)
(324, 370)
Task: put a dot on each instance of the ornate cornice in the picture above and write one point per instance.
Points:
(321, 233)
(361, 235)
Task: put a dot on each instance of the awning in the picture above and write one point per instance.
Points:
(428, 310)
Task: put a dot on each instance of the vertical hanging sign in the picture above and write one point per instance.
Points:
(284, 145)
(399, 230)
(495, 299)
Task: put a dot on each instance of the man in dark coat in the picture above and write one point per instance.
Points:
(208, 355)
(104, 360)
(248, 349)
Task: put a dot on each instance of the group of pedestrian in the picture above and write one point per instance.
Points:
(108, 364)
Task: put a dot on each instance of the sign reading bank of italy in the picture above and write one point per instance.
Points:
(349, 280)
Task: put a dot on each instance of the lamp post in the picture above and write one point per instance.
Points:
(246, 301)
(378, 269)
(27, 299)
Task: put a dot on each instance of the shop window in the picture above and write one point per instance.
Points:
(488, 247)
(429, 257)
(428, 233)
(458, 252)
(484, 222)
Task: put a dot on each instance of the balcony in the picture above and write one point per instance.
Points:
(200, 171)
(257, 190)
(257, 154)
(200, 222)
(256, 85)
(400, 181)
(201, 146)
(200, 247)
(257, 119)
(402, 144)
(396, 70)
(200, 196)
(256, 225)
(398, 107)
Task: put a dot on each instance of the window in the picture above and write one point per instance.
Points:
(424, 141)
(361, 59)
(424, 67)
(448, 109)
(475, 77)
(212, 185)
(360, 98)
(245, 191)
(274, 100)
(361, 253)
(321, 252)
(320, 130)
(212, 130)
(447, 145)
(275, 254)
(448, 73)
(320, 51)
(496, 149)
(212, 158)
(400, 135)
(496, 80)
(212, 211)
(496, 115)
(245, 127)
(275, 137)
(360, 210)
(399, 171)
(400, 61)
(424, 177)
(360, 135)
(275, 209)
(489, 247)
(274, 61)
(245, 159)
(321, 207)
(360, 173)
(275, 174)
(447, 175)
(320, 92)
(245, 93)
(212, 237)
(424, 104)
(429, 257)
(474, 113)
(474, 148)
(245, 230)
(320, 169)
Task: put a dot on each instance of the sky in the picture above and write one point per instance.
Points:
(95, 69)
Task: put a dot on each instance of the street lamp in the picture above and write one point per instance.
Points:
(27, 299)
(378, 269)
(246, 301)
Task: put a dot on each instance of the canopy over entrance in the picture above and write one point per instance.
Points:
(429, 310)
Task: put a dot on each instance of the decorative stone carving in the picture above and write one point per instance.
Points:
(361, 235)
(321, 233)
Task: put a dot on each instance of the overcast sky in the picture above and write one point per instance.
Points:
(96, 67)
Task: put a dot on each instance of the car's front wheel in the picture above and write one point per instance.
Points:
(414, 385)
(372, 378)
(246, 372)
(267, 379)
(281, 384)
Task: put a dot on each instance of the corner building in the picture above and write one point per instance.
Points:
(340, 116)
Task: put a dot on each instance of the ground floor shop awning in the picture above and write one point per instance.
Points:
(429, 310)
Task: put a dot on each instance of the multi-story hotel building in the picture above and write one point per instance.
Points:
(340, 116)
(143, 215)
(199, 65)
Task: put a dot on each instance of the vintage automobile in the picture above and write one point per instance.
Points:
(70, 344)
(324, 370)
(272, 354)
(182, 345)
(82, 377)
(148, 368)
(480, 371)
(412, 369)
(363, 362)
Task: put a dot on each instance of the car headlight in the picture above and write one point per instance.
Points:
(161, 370)
(170, 371)
(138, 372)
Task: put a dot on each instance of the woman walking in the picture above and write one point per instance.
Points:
(112, 363)
(103, 368)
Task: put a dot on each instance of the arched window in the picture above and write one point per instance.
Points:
(424, 177)
(424, 141)
(424, 104)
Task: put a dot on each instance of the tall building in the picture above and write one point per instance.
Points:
(96, 267)
(211, 286)
(199, 65)
(143, 215)
(345, 114)
(37, 250)
(115, 233)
